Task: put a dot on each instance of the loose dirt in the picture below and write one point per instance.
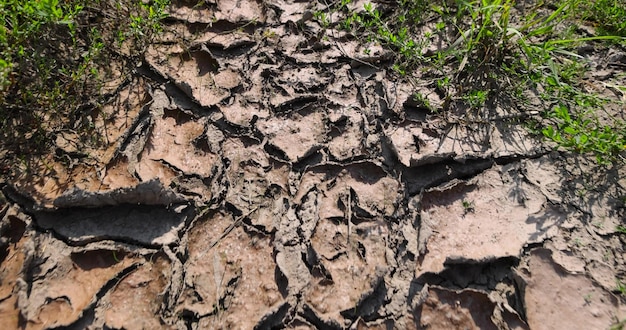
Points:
(260, 174)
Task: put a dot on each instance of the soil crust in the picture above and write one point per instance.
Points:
(267, 179)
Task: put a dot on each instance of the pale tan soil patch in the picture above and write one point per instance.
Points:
(491, 217)
(576, 302)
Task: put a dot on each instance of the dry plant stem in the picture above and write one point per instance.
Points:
(349, 215)
(232, 226)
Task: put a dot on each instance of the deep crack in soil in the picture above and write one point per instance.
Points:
(261, 177)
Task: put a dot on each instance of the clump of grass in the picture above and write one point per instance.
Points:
(585, 134)
(54, 57)
(609, 16)
(479, 52)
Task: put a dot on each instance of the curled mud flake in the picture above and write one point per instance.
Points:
(229, 47)
(580, 302)
(487, 219)
(275, 318)
(135, 301)
(377, 324)
(255, 86)
(67, 285)
(267, 217)
(290, 42)
(308, 213)
(255, 185)
(415, 146)
(297, 136)
(563, 255)
(292, 268)
(359, 256)
(51, 180)
(211, 140)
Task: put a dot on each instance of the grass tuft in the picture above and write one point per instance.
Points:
(489, 52)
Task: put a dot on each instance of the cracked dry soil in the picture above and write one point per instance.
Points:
(263, 178)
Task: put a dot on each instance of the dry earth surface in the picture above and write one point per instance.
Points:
(262, 176)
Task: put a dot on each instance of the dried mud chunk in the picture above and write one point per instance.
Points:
(297, 136)
(241, 152)
(256, 183)
(192, 71)
(190, 13)
(227, 79)
(289, 11)
(579, 302)
(234, 277)
(118, 175)
(237, 11)
(304, 80)
(114, 120)
(243, 113)
(66, 285)
(354, 263)
(365, 187)
(111, 123)
(342, 90)
(347, 135)
(135, 301)
(171, 149)
(544, 174)
(259, 191)
(464, 309)
(11, 268)
(414, 147)
(494, 139)
(492, 217)
(248, 189)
